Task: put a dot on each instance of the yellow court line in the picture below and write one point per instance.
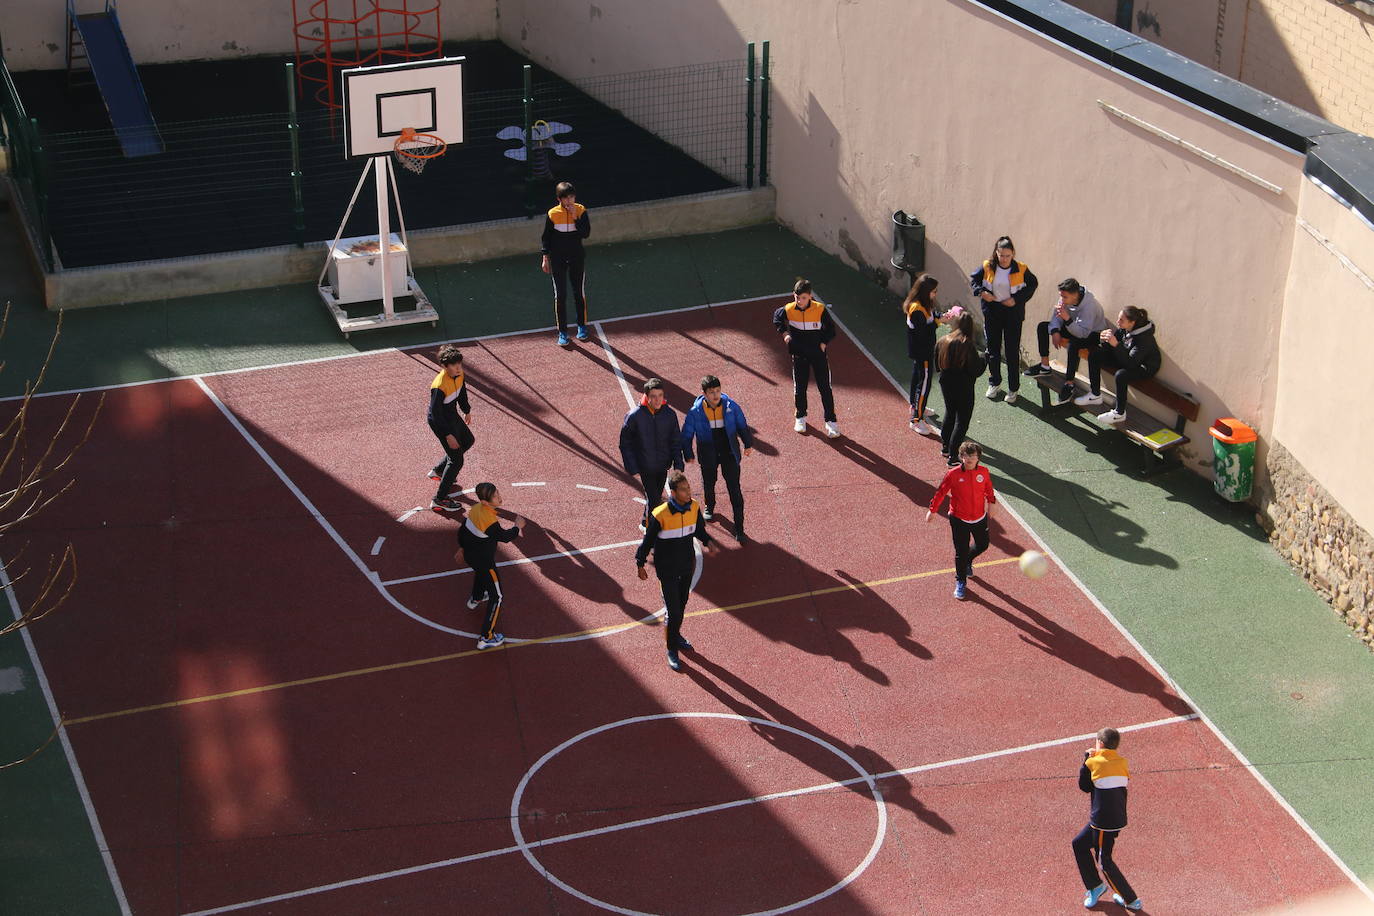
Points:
(413, 663)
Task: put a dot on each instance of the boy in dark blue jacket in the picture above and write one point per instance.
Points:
(717, 424)
(649, 444)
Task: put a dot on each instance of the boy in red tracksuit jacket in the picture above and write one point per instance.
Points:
(971, 498)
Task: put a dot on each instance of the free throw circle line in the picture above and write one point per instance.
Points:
(864, 776)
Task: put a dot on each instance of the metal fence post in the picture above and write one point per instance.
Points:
(749, 119)
(38, 177)
(763, 120)
(528, 100)
(293, 130)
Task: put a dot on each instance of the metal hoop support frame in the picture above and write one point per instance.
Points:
(420, 150)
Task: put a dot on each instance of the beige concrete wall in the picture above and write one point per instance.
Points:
(1321, 412)
(1316, 54)
(35, 31)
(858, 135)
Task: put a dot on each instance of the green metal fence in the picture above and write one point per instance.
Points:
(27, 165)
(279, 177)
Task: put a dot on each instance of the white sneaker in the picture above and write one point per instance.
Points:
(706, 514)
(920, 426)
(1011, 397)
(1085, 400)
(992, 392)
(474, 604)
(930, 411)
(800, 425)
(832, 430)
(1112, 416)
(642, 529)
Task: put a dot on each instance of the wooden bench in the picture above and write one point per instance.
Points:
(1158, 438)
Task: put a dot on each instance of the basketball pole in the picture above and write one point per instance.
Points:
(381, 165)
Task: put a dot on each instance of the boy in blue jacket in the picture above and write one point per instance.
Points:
(649, 444)
(717, 425)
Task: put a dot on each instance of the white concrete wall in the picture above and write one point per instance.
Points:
(980, 127)
(1322, 413)
(158, 31)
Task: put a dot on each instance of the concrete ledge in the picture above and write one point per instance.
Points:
(286, 265)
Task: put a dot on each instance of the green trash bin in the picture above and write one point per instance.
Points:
(1233, 458)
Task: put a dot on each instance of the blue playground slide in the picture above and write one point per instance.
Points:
(117, 78)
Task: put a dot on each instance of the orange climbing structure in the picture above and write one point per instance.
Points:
(334, 35)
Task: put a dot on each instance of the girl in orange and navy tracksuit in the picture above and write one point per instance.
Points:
(478, 537)
(921, 321)
(969, 487)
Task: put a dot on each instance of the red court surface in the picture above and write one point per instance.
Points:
(278, 707)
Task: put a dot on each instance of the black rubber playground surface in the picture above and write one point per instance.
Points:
(224, 181)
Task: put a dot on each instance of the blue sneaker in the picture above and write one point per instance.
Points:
(562, 339)
(1094, 895)
(1133, 905)
(495, 640)
(582, 332)
(959, 590)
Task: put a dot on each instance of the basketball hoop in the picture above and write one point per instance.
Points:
(414, 150)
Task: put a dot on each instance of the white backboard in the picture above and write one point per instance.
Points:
(379, 101)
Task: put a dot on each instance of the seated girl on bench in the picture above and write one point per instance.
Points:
(1131, 351)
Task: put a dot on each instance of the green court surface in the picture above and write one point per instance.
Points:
(1189, 576)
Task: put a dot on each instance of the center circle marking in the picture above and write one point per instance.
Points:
(527, 847)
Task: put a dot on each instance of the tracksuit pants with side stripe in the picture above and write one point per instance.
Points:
(803, 365)
(676, 591)
(486, 583)
(1092, 848)
(569, 272)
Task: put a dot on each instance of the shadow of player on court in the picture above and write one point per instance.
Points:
(636, 374)
(577, 574)
(909, 485)
(802, 621)
(1052, 639)
(744, 699)
(1076, 509)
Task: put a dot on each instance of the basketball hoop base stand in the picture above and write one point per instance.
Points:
(363, 269)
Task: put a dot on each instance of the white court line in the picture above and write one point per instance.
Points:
(377, 545)
(1159, 669)
(641, 500)
(517, 562)
(98, 834)
(530, 483)
(408, 513)
(667, 818)
(315, 513)
(384, 350)
(615, 365)
(586, 486)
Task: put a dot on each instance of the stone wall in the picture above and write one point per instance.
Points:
(1320, 540)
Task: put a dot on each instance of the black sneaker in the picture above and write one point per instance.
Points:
(447, 504)
(1037, 369)
(683, 645)
(673, 661)
(708, 513)
(1066, 394)
(741, 537)
(953, 462)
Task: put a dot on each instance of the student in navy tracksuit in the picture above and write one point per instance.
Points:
(448, 394)
(650, 444)
(1004, 285)
(807, 329)
(971, 498)
(565, 226)
(668, 535)
(919, 310)
(1105, 776)
(718, 426)
(477, 539)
